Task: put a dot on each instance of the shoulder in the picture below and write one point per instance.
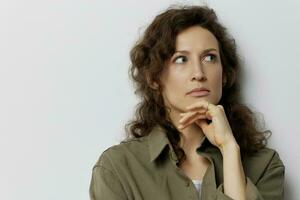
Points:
(266, 156)
(124, 152)
(262, 161)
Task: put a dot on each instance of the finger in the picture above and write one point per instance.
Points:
(195, 118)
(192, 120)
(209, 115)
(189, 115)
(201, 108)
(200, 105)
(203, 124)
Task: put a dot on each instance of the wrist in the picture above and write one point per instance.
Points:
(230, 147)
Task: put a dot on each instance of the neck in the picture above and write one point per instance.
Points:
(190, 138)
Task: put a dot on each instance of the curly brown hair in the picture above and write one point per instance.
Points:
(148, 58)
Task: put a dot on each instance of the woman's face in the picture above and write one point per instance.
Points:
(195, 63)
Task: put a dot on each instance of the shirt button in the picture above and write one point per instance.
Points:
(187, 184)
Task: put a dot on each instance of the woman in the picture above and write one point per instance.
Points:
(192, 137)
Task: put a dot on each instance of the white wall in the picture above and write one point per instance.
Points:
(65, 92)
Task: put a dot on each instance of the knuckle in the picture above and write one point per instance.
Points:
(220, 107)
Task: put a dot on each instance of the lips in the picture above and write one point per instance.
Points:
(198, 92)
(198, 89)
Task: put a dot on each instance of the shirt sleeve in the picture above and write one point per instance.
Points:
(269, 187)
(104, 183)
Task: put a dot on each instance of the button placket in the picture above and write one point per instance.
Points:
(187, 184)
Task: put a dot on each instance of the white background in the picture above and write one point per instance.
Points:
(66, 96)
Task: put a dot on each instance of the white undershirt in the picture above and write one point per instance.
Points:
(197, 184)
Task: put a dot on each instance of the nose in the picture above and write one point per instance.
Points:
(198, 73)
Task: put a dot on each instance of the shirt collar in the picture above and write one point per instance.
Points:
(158, 140)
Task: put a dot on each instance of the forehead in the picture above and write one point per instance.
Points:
(196, 38)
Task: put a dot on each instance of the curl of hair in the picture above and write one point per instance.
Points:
(148, 57)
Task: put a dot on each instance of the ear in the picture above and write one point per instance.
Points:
(151, 83)
(154, 85)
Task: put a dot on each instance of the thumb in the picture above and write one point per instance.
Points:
(202, 123)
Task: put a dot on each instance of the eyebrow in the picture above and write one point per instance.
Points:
(203, 52)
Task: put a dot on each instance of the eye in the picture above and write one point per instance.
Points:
(180, 58)
(212, 57)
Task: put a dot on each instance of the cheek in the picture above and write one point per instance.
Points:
(217, 83)
(215, 80)
(217, 76)
(175, 84)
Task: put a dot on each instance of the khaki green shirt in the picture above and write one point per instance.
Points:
(145, 169)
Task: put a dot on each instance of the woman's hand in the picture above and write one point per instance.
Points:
(218, 132)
